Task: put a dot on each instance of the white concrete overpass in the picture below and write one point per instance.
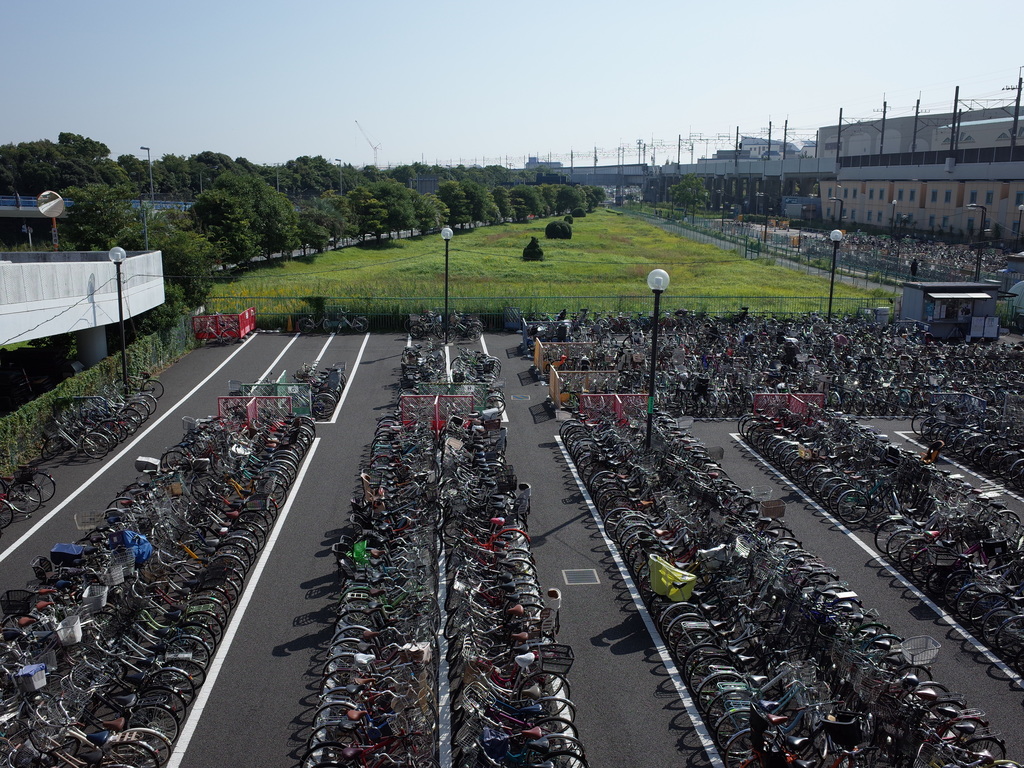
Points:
(48, 293)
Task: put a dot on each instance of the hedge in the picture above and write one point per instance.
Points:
(22, 432)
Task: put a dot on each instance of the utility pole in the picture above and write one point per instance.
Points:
(785, 137)
(952, 132)
(881, 139)
(639, 149)
(839, 136)
(679, 150)
(1016, 117)
(917, 112)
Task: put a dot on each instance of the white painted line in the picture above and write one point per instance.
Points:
(323, 349)
(992, 483)
(348, 384)
(271, 366)
(666, 658)
(444, 709)
(188, 729)
(447, 363)
(944, 617)
(483, 346)
(128, 448)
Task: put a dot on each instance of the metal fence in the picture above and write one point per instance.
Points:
(506, 313)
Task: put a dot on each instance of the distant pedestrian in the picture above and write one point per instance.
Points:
(913, 267)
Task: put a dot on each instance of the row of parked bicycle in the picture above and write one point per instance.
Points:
(378, 702)
(992, 445)
(110, 642)
(94, 425)
(713, 367)
(965, 548)
(779, 655)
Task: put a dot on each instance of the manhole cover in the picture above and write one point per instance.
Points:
(580, 576)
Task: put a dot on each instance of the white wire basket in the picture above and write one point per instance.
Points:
(761, 492)
(920, 649)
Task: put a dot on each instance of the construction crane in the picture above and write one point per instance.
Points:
(369, 141)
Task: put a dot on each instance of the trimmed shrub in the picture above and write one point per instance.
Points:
(533, 251)
(558, 230)
(567, 219)
(578, 213)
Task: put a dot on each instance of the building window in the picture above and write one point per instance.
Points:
(935, 195)
(970, 225)
(855, 194)
(881, 194)
(913, 195)
(931, 221)
(871, 194)
(846, 193)
(973, 197)
(988, 198)
(945, 221)
(853, 215)
(869, 216)
(899, 194)
(1020, 198)
(830, 192)
(948, 197)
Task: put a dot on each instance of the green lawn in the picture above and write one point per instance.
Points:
(609, 255)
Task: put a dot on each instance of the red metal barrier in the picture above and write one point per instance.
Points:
(224, 326)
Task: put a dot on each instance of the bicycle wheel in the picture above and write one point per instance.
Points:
(54, 446)
(137, 754)
(359, 324)
(851, 507)
(44, 482)
(24, 496)
(97, 444)
(152, 387)
(306, 324)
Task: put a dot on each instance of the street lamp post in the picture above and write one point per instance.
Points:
(836, 236)
(892, 221)
(149, 157)
(118, 255)
(446, 233)
(1020, 212)
(657, 281)
(981, 237)
(341, 179)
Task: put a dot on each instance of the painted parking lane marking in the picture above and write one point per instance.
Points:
(944, 617)
(188, 728)
(348, 384)
(989, 484)
(696, 720)
(128, 448)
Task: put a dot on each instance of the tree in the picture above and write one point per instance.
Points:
(595, 196)
(502, 202)
(431, 213)
(567, 198)
(398, 205)
(224, 219)
(689, 193)
(481, 204)
(454, 196)
(369, 216)
(533, 251)
(558, 230)
(526, 201)
(101, 218)
(268, 215)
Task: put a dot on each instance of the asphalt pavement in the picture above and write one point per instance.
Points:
(256, 707)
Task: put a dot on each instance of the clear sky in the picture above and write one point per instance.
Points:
(482, 81)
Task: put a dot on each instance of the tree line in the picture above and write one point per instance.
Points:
(241, 211)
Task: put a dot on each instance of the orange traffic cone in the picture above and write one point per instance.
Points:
(288, 327)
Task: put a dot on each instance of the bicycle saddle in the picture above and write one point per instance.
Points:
(524, 660)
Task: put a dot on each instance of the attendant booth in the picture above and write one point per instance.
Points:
(953, 311)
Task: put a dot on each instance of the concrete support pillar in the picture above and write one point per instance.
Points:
(92, 345)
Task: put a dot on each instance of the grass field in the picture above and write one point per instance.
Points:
(609, 255)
